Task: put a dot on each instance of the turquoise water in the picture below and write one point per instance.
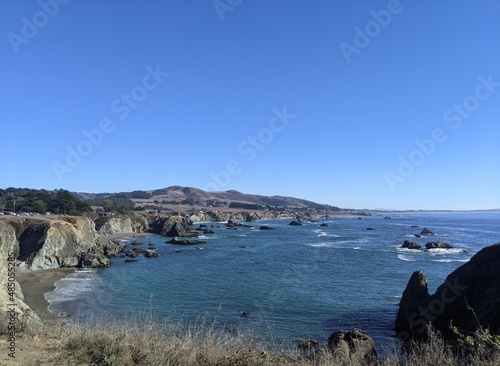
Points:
(304, 281)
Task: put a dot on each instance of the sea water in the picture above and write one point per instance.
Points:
(291, 282)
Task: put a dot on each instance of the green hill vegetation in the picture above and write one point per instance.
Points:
(41, 201)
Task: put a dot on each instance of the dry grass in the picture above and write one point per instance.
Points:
(141, 341)
(145, 342)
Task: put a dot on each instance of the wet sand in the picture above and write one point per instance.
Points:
(35, 284)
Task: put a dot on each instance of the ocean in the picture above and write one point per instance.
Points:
(288, 283)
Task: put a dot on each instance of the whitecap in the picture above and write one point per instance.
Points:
(441, 251)
(320, 245)
(405, 258)
(444, 260)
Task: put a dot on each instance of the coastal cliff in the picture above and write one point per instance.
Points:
(121, 224)
(14, 295)
(63, 242)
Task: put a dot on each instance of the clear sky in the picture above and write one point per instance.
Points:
(358, 104)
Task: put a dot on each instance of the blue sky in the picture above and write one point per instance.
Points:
(359, 104)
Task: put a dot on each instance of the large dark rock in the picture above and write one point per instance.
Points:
(233, 223)
(252, 216)
(414, 296)
(173, 226)
(151, 254)
(353, 347)
(471, 294)
(132, 253)
(411, 245)
(112, 248)
(185, 242)
(426, 231)
(295, 223)
(469, 298)
(266, 227)
(438, 245)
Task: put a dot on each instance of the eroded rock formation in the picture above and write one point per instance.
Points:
(121, 224)
(66, 242)
(173, 226)
(9, 249)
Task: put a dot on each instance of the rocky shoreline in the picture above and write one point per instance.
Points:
(469, 298)
(34, 243)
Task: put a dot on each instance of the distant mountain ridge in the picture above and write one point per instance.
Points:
(197, 196)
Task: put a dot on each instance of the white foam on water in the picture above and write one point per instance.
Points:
(321, 245)
(405, 258)
(449, 260)
(440, 251)
(73, 286)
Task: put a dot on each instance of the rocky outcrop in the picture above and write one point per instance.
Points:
(252, 216)
(232, 223)
(266, 227)
(121, 224)
(438, 245)
(112, 248)
(426, 231)
(185, 241)
(469, 298)
(151, 254)
(352, 347)
(295, 223)
(411, 245)
(415, 296)
(9, 250)
(221, 216)
(173, 226)
(65, 241)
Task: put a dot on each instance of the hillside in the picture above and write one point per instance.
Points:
(178, 195)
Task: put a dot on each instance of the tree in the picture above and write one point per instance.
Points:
(40, 206)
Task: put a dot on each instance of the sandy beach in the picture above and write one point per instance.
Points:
(35, 284)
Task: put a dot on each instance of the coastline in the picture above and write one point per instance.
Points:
(35, 284)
